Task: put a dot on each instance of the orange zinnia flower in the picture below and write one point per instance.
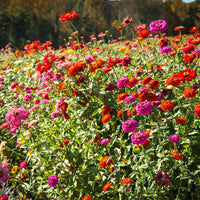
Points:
(167, 105)
(132, 81)
(177, 155)
(106, 118)
(189, 93)
(86, 197)
(107, 187)
(197, 110)
(154, 85)
(122, 96)
(146, 80)
(104, 161)
(106, 110)
(121, 113)
(126, 181)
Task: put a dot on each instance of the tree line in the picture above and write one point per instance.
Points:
(23, 20)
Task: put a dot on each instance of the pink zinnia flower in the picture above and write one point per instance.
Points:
(174, 138)
(5, 125)
(22, 164)
(4, 171)
(3, 197)
(53, 181)
(16, 115)
(129, 125)
(143, 108)
(121, 82)
(105, 141)
(12, 129)
(138, 137)
(158, 26)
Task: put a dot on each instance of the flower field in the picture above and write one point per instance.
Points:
(107, 119)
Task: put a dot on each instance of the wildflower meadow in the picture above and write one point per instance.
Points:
(106, 119)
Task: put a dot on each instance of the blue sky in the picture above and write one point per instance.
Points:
(187, 1)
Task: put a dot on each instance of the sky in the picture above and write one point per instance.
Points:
(187, 1)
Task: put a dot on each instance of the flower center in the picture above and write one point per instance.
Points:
(14, 112)
(128, 123)
(186, 74)
(138, 135)
(158, 25)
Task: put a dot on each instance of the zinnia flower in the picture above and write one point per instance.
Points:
(105, 141)
(4, 171)
(158, 26)
(121, 82)
(129, 125)
(68, 16)
(107, 187)
(86, 197)
(189, 93)
(129, 99)
(126, 181)
(105, 161)
(181, 120)
(177, 155)
(174, 138)
(163, 178)
(144, 33)
(197, 110)
(127, 21)
(3, 197)
(165, 50)
(12, 129)
(106, 118)
(138, 137)
(167, 105)
(22, 164)
(143, 108)
(53, 180)
(16, 115)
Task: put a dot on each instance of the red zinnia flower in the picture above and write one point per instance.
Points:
(194, 29)
(189, 93)
(177, 155)
(131, 112)
(154, 85)
(106, 118)
(187, 75)
(146, 80)
(197, 110)
(68, 16)
(132, 81)
(104, 161)
(188, 58)
(173, 80)
(167, 105)
(181, 120)
(107, 187)
(151, 97)
(86, 197)
(126, 181)
(106, 110)
(144, 33)
(179, 28)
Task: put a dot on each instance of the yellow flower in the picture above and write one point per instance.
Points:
(14, 169)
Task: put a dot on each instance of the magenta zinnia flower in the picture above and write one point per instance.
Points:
(165, 50)
(138, 137)
(121, 82)
(105, 141)
(158, 26)
(174, 138)
(4, 171)
(143, 108)
(16, 115)
(12, 129)
(129, 99)
(162, 176)
(53, 180)
(22, 164)
(3, 197)
(129, 125)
